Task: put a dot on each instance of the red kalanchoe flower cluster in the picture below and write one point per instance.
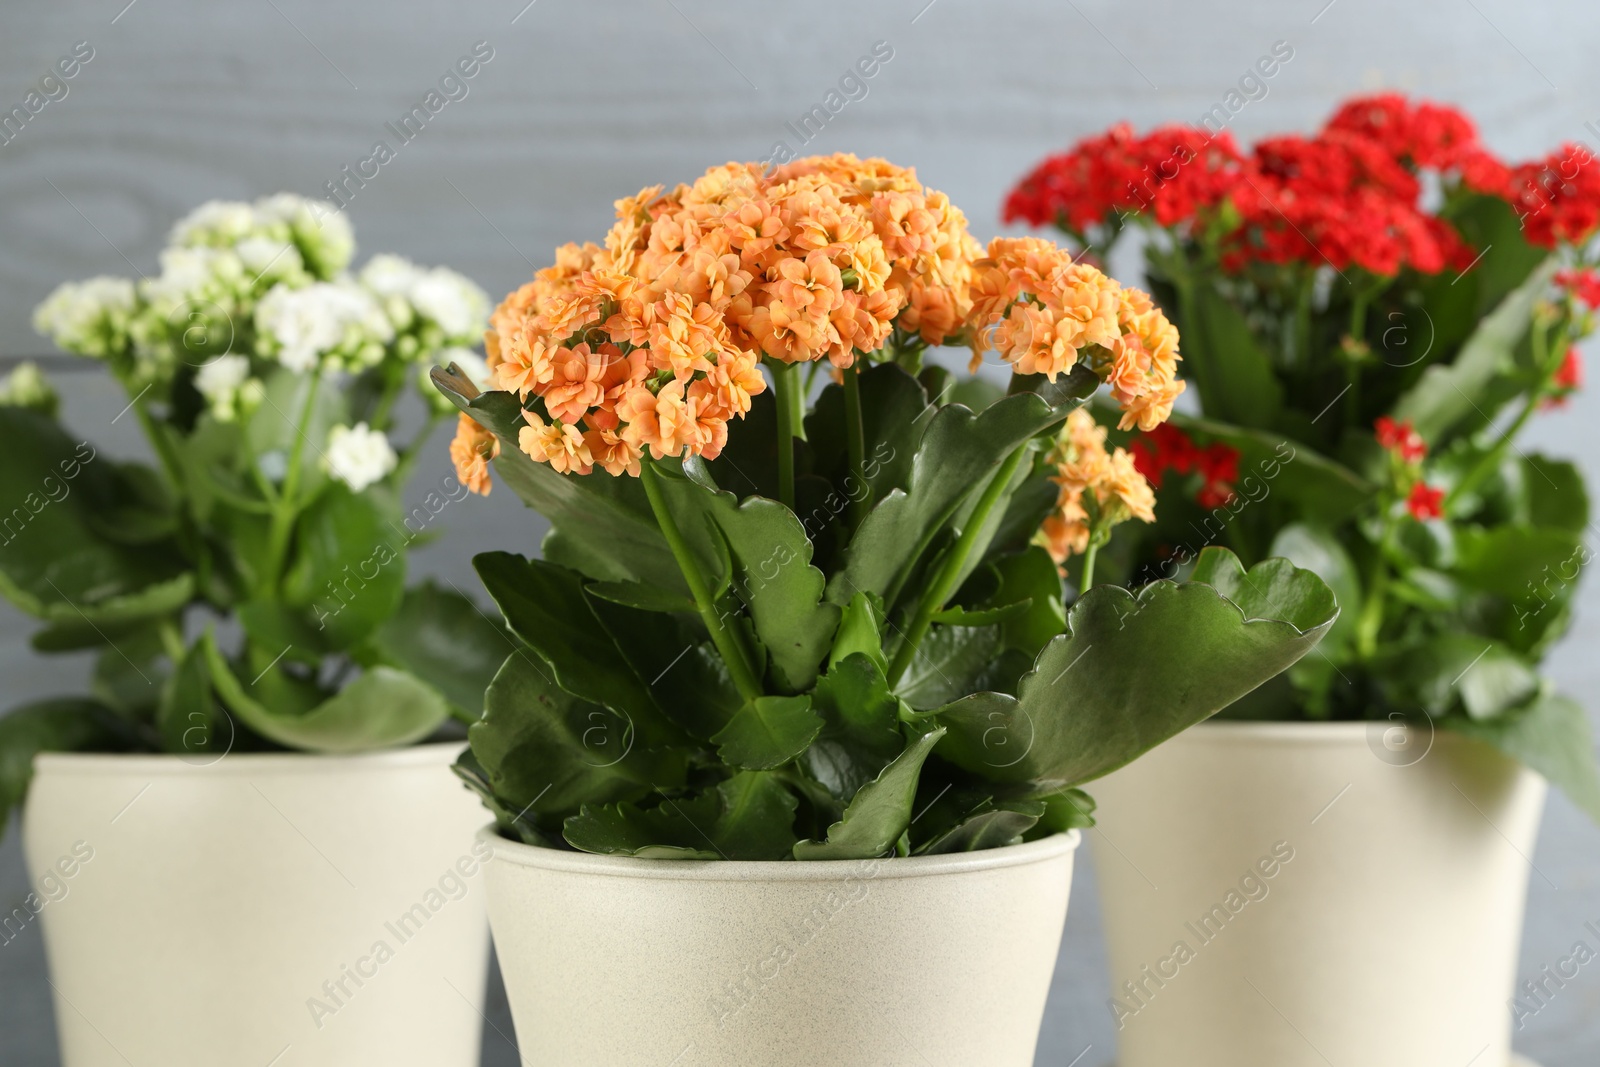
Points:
(1425, 502)
(1340, 198)
(1401, 439)
(1174, 172)
(1167, 448)
(1558, 198)
(1583, 283)
(1423, 135)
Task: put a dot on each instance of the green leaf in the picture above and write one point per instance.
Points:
(70, 724)
(1030, 576)
(383, 708)
(641, 596)
(545, 606)
(600, 526)
(859, 633)
(861, 731)
(1555, 492)
(959, 616)
(672, 652)
(955, 459)
(989, 825)
(1517, 562)
(880, 812)
(894, 414)
(546, 751)
(1315, 549)
(1133, 671)
(768, 732)
(1452, 396)
(1066, 809)
(1552, 736)
(1234, 374)
(129, 675)
(189, 720)
(747, 817)
(349, 567)
(1483, 675)
(948, 664)
(55, 563)
(446, 640)
(1272, 589)
(778, 584)
(510, 823)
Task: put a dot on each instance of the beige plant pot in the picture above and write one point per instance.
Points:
(873, 963)
(1297, 894)
(283, 909)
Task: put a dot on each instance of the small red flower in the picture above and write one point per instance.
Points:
(1401, 439)
(1568, 379)
(1425, 502)
(1167, 448)
(1583, 284)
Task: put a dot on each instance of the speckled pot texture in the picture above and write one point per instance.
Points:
(1305, 894)
(876, 963)
(261, 909)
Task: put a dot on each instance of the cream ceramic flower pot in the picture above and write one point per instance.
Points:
(283, 909)
(1295, 895)
(874, 963)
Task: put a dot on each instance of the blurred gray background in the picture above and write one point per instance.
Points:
(586, 102)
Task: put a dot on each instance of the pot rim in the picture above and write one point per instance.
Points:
(440, 753)
(550, 859)
(1290, 732)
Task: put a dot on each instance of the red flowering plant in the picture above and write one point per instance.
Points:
(1381, 306)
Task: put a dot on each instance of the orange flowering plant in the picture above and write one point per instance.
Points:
(779, 615)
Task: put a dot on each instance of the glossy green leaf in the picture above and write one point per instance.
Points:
(1234, 374)
(768, 732)
(1451, 395)
(547, 752)
(989, 825)
(1449, 670)
(859, 633)
(957, 456)
(190, 720)
(349, 567)
(1552, 736)
(948, 664)
(861, 726)
(444, 639)
(880, 812)
(748, 817)
(54, 562)
(1083, 712)
(384, 708)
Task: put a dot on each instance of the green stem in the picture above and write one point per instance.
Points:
(1371, 620)
(408, 456)
(855, 439)
(949, 573)
(783, 380)
(171, 639)
(1087, 580)
(283, 511)
(722, 635)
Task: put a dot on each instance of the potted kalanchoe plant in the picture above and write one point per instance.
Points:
(245, 772)
(1365, 357)
(810, 644)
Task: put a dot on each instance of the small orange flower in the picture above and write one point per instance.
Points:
(471, 450)
(1099, 489)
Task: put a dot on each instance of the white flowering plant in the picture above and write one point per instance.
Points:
(247, 591)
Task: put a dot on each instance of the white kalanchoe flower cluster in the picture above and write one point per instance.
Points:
(430, 309)
(27, 387)
(89, 317)
(332, 324)
(358, 456)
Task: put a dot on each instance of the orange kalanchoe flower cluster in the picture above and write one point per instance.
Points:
(652, 342)
(1098, 489)
(471, 451)
(1042, 312)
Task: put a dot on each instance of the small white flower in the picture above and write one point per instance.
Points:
(325, 318)
(453, 301)
(219, 223)
(322, 234)
(220, 382)
(27, 387)
(88, 317)
(358, 456)
(389, 275)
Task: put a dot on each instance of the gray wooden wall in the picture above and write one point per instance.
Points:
(585, 102)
